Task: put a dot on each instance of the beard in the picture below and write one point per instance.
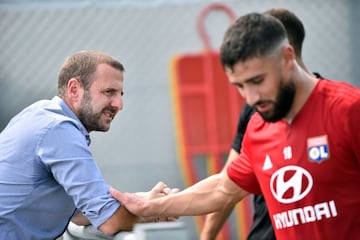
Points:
(282, 104)
(89, 118)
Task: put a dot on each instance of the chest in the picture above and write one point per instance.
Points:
(309, 150)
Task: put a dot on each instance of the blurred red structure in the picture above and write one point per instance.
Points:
(207, 109)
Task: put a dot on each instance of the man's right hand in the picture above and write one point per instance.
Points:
(159, 190)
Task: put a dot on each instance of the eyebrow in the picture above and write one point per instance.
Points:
(254, 78)
(251, 79)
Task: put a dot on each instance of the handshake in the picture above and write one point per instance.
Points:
(158, 191)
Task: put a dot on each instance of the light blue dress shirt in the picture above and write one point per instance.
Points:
(47, 172)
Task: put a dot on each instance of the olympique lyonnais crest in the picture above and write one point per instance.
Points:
(318, 148)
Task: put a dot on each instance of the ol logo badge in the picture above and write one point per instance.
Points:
(318, 148)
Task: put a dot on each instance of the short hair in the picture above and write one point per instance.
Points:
(294, 27)
(251, 35)
(82, 66)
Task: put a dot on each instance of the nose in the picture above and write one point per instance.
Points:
(250, 94)
(117, 102)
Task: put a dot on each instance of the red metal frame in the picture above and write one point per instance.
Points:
(207, 112)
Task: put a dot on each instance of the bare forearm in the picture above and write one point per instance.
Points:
(209, 195)
(209, 184)
(121, 220)
(80, 220)
(212, 194)
(214, 222)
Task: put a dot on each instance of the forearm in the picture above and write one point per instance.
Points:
(121, 220)
(214, 222)
(209, 184)
(112, 225)
(80, 220)
(212, 194)
(209, 195)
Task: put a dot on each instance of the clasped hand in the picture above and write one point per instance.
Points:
(159, 190)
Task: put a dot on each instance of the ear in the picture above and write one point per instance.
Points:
(288, 55)
(74, 90)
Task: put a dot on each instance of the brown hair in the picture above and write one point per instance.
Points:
(82, 66)
(251, 35)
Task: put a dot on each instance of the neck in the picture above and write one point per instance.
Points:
(305, 82)
(301, 64)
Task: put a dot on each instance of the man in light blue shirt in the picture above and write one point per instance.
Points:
(47, 173)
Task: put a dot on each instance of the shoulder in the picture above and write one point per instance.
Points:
(338, 89)
(340, 103)
(50, 120)
(338, 95)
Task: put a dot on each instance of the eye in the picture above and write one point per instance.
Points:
(257, 80)
(240, 86)
(109, 92)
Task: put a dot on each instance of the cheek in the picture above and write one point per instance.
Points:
(271, 89)
(98, 105)
(95, 103)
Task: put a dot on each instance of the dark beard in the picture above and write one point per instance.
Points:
(283, 103)
(86, 115)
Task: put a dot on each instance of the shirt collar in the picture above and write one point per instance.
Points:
(69, 113)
